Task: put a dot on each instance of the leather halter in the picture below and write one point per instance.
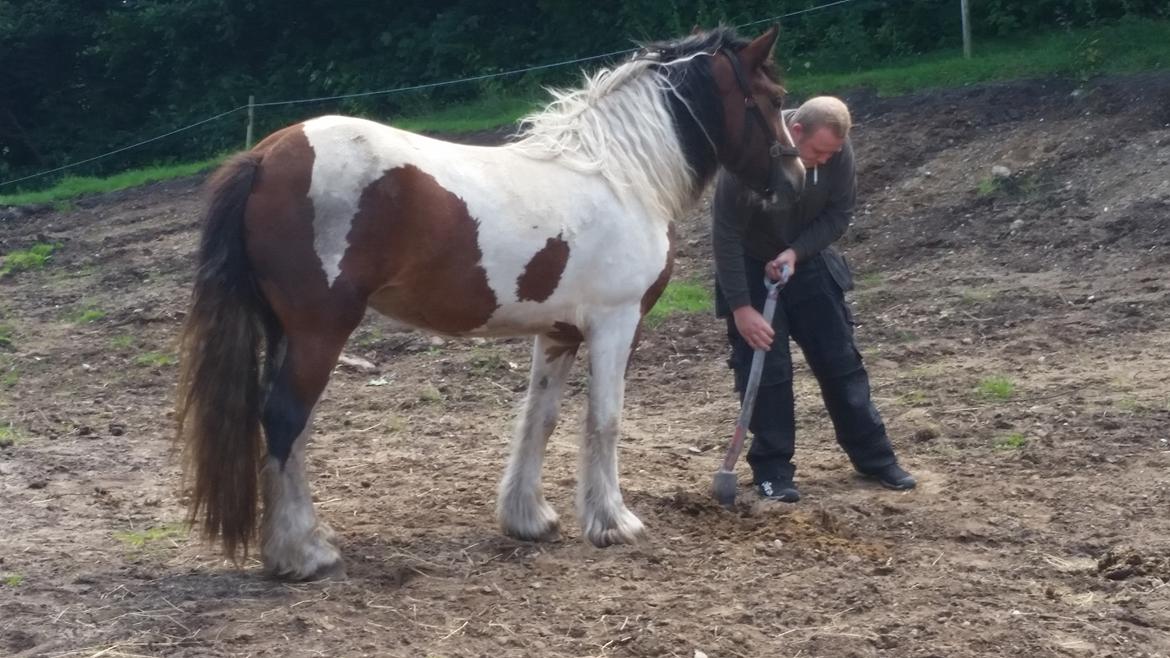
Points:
(776, 148)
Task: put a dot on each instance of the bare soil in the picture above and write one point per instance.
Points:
(1041, 526)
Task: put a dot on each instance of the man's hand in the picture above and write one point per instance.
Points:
(751, 325)
(776, 265)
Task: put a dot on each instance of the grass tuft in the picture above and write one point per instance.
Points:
(33, 258)
(680, 297)
(996, 388)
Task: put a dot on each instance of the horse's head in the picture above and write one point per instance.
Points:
(757, 146)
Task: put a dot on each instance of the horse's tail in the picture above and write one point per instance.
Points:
(219, 396)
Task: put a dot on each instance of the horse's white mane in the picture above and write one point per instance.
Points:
(619, 126)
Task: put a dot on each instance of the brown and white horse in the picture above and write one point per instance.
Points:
(563, 234)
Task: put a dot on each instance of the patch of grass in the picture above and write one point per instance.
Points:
(88, 315)
(988, 186)
(123, 342)
(1013, 441)
(10, 378)
(976, 296)
(12, 579)
(72, 187)
(140, 539)
(871, 280)
(8, 436)
(1127, 46)
(429, 393)
(33, 258)
(369, 338)
(996, 388)
(486, 362)
(6, 332)
(903, 336)
(155, 360)
(483, 114)
(680, 297)
(913, 399)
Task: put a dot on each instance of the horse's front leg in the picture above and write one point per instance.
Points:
(605, 519)
(521, 508)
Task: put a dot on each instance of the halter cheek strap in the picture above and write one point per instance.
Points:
(776, 148)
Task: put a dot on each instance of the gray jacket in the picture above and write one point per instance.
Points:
(744, 225)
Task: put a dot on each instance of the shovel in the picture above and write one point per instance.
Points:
(725, 484)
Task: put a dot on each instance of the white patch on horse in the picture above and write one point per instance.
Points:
(616, 244)
(344, 164)
(293, 542)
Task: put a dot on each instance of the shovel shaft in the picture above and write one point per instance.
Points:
(753, 382)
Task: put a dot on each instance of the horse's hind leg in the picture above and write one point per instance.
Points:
(521, 507)
(605, 519)
(294, 543)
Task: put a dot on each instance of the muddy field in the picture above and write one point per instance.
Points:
(1015, 329)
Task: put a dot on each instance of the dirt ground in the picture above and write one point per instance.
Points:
(1015, 331)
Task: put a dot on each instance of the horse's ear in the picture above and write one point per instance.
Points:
(760, 49)
(696, 29)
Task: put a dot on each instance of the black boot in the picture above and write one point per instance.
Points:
(892, 477)
(780, 490)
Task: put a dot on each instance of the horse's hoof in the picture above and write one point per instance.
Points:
(314, 558)
(319, 569)
(537, 522)
(606, 530)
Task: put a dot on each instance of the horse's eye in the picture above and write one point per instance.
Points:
(778, 101)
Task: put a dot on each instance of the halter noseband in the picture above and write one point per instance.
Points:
(776, 149)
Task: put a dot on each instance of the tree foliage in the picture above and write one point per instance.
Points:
(81, 77)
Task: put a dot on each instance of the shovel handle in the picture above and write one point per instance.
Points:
(753, 382)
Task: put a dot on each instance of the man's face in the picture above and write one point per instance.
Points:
(816, 148)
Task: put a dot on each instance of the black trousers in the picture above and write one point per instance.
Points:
(812, 311)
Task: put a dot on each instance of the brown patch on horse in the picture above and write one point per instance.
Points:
(543, 272)
(279, 223)
(650, 297)
(568, 339)
(414, 251)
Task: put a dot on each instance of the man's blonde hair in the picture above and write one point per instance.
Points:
(824, 111)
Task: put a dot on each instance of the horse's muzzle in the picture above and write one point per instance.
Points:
(786, 188)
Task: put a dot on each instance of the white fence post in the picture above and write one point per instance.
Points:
(966, 29)
(252, 116)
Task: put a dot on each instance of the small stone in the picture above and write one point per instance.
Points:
(1000, 171)
(357, 363)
